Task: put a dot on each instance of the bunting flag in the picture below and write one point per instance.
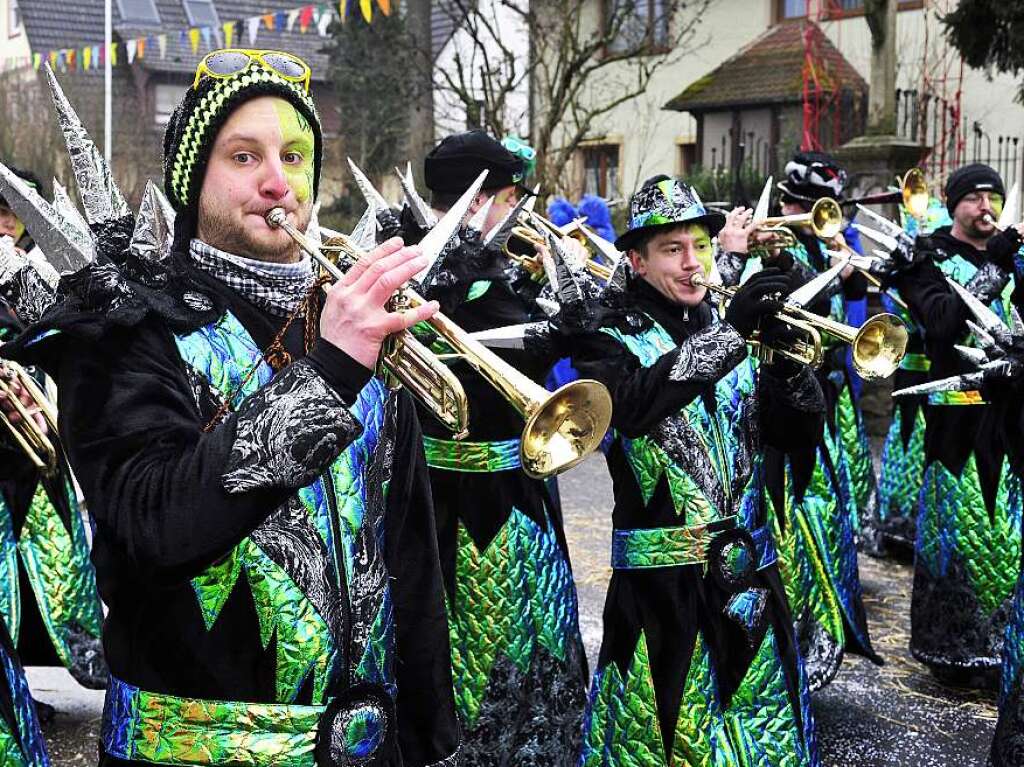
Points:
(88, 57)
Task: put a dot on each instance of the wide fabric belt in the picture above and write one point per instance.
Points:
(645, 548)
(164, 729)
(456, 455)
(916, 362)
(972, 397)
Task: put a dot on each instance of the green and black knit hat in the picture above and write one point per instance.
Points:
(194, 125)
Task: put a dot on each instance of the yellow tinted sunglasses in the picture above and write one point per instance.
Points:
(228, 62)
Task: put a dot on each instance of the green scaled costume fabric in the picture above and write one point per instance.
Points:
(814, 515)
(518, 664)
(43, 544)
(692, 672)
(967, 548)
(21, 741)
(902, 469)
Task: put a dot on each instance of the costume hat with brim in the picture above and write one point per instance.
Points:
(668, 202)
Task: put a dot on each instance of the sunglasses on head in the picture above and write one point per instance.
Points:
(228, 62)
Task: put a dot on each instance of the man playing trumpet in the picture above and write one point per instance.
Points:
(969, 513)
(264, 530)
(697, 633)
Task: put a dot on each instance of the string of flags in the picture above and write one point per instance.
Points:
(316, 18)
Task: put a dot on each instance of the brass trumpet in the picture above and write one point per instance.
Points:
(878, 345)
(825, 219)
(562, 427)
(534, 241)
(912, 193)
(26, 433)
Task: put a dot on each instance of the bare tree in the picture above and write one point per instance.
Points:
(554, 68)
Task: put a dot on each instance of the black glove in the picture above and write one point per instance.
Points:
(777, 334)
(758, 297)
(1002, 246)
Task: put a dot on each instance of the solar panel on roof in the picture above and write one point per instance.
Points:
(201, 13)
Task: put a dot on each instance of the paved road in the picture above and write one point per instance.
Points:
(894, 716)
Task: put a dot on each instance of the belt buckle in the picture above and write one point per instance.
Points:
(354, 728)
(733, 559)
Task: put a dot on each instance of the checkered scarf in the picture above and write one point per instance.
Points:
(275, 288)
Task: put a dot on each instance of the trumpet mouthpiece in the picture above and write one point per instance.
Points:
(276, 217)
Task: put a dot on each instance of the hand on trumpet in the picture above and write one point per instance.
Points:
(358, 316)
(28, 405)
(739, 226)
(756, 300)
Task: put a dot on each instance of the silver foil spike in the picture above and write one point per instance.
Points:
(509, 336)
(549, 307)
(365, 232)
(101, 198)
(890, 243)
(810, 290)
(502, 230)
(887, 226)
(1008, 215)
(435, 241)
(152, 237)
(965, 382)
(1016, 324)
(619, 280)
(64, 246)
(422, 212)
(313, 227)
(166, 209)
(63, 205)
(531, 199)
(373, 197)
(476, 223)
(764, 201)
(975, 356)
(10, 259)
(987, 318)
(982, 336)
(607, 248)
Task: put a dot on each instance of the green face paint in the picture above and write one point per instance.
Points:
(296, 139)
(701, 245)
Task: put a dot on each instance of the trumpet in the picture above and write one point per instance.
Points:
(825, 219)
(562, 427)
(534, 241)
(26, 433)
(912, 193)
(878, 345)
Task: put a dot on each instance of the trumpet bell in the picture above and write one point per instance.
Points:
(914, 190)
(879, 346)
(826, 218)
(565, 428)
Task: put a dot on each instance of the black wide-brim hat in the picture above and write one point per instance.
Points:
(666, 203)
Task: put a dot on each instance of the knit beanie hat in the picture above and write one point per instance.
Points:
(193, 127)
(975, 177)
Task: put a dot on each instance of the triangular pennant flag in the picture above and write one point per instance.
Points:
(162, 42)
(52, 56)
(293, 16)
(218, 37)
(366, 7)
(229, 33)
(141, 48)
(280, 19)
(253, 27)
(324, 21)
(113, 54)
(305, 17)
(130, 47)
(268, 20)
(86, 58)
(205, 31)
(385, 6)
(37, 61)
(193, 38)
(341, 10)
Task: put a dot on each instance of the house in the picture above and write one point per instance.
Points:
(739, 68)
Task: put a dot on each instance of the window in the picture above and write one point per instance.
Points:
(13, 19)
(636, 24)
(201, 13)
(601, 170)
(792, 9)
(165, 99)
(832, 9)
(687, 157)
(142, 11)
